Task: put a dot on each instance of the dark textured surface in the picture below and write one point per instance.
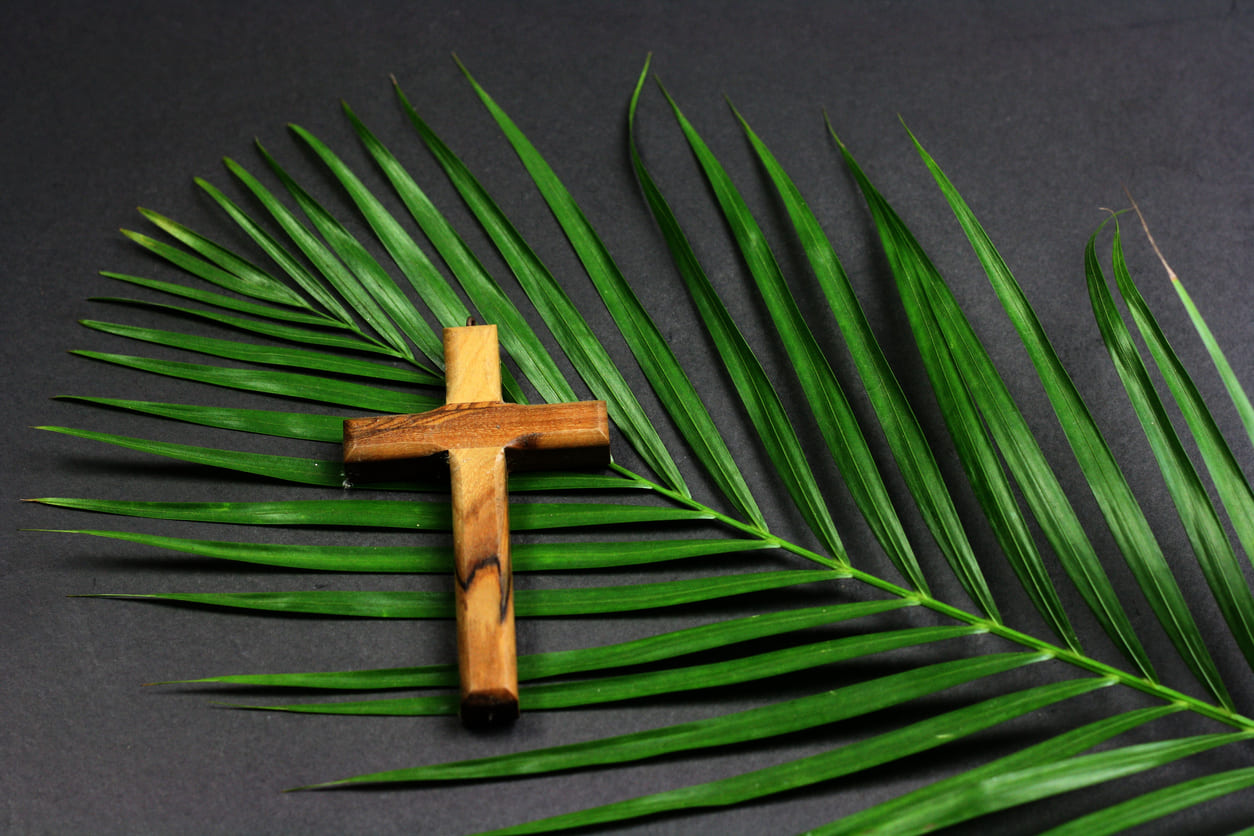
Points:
(1041, 113)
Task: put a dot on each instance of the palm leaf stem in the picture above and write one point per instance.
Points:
(1079, 660)
(1062, 654)
(752, 530)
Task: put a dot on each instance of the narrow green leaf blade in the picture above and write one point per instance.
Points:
(285, 384)
(541, 665)
(304, 426)
(325, 473)
(525, 557)
(377, 513)
(277, 330)
(268, 354)
(1235, 391)
(912, 813)
(528, 602)
(230, 303)
(1154, 805)
(1004, 791)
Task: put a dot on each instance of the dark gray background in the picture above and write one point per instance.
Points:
(1041, 113)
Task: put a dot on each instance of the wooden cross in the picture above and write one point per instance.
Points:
(481, 435)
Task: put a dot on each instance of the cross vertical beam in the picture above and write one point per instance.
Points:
(486, 649)
(483, 439)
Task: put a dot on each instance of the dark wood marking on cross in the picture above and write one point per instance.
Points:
(483, 437)
(492, 560)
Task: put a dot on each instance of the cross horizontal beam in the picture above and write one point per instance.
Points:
(535, 437)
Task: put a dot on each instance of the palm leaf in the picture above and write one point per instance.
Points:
(346, 336)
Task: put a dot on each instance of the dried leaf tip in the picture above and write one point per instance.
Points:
(1171, 274)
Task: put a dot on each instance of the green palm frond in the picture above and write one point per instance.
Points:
(327, 316)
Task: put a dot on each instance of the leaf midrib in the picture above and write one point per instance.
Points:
(1079, 660)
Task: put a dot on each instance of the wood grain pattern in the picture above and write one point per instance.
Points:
(539, 436)
(472, 364)
(486, 654)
